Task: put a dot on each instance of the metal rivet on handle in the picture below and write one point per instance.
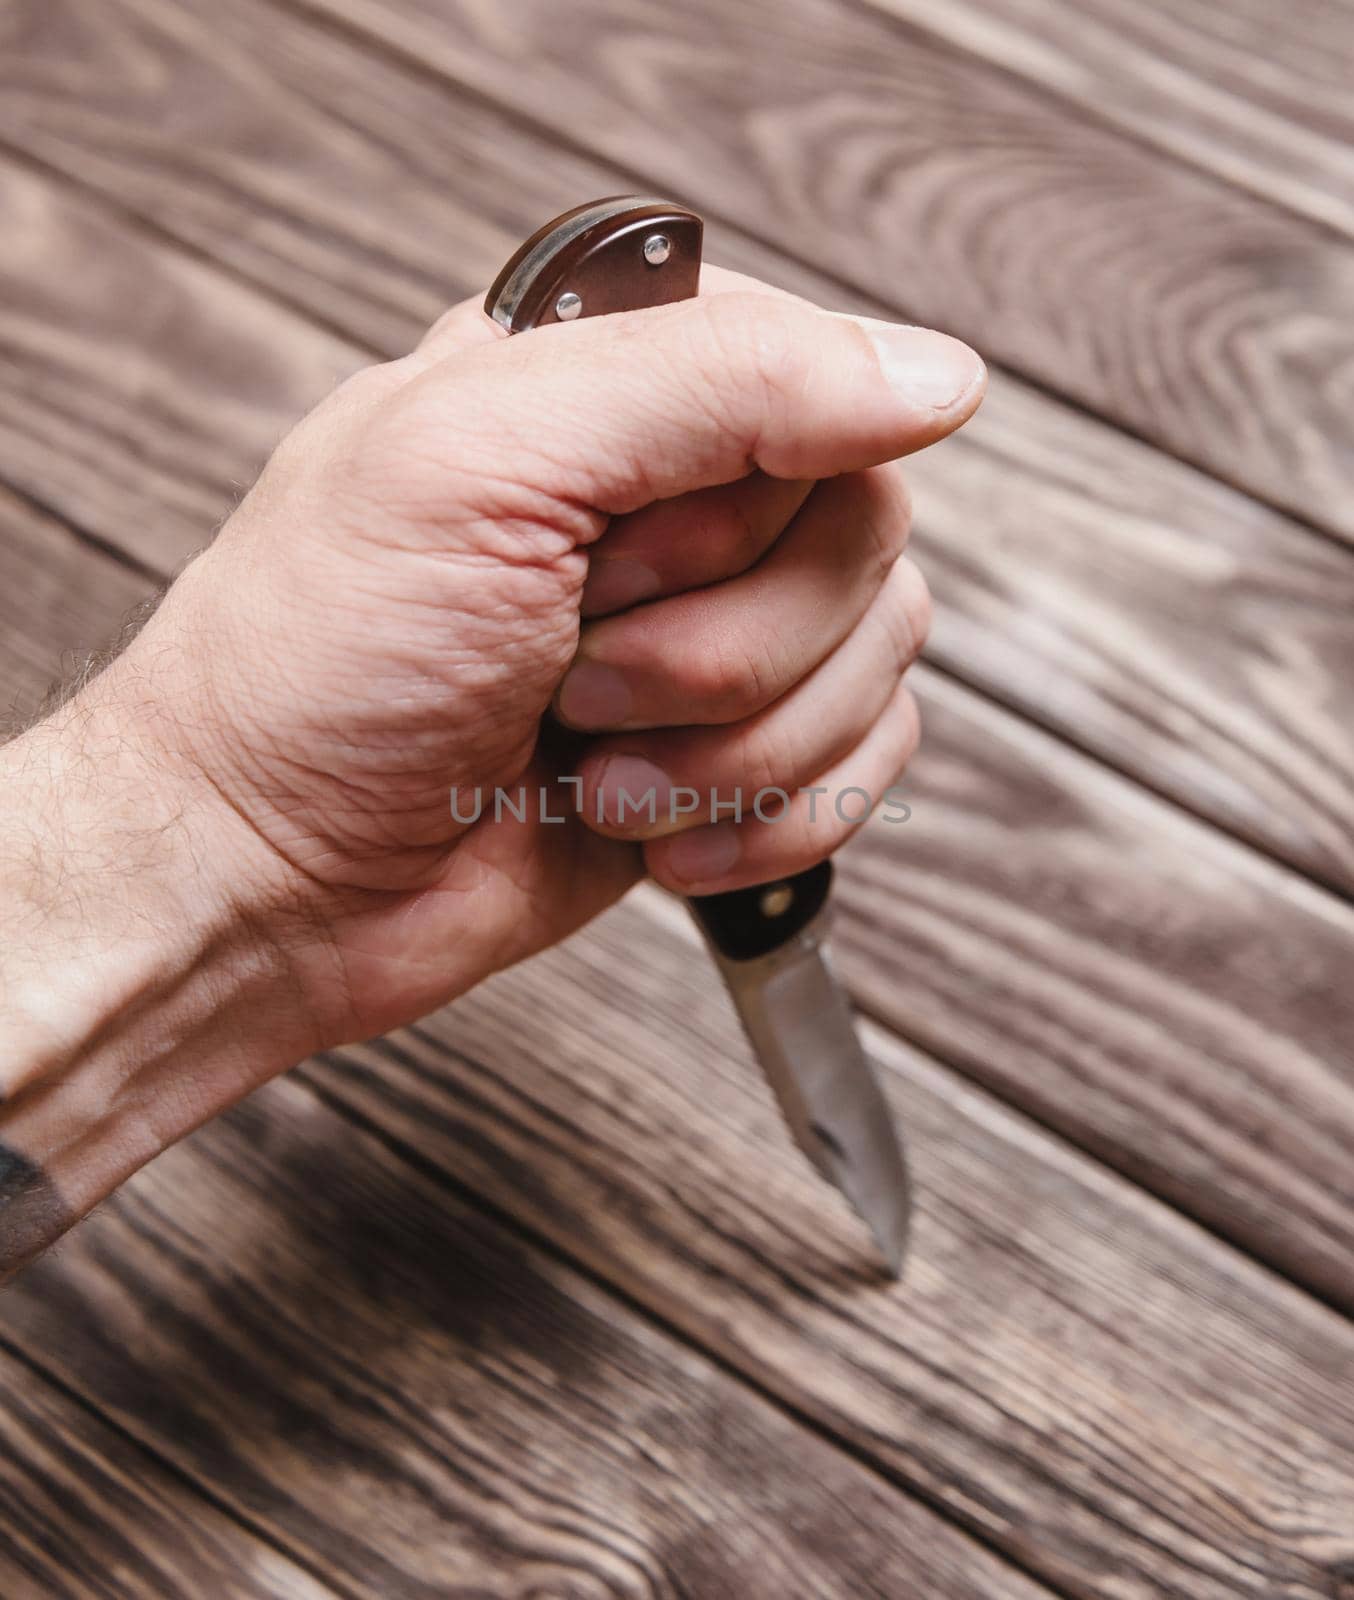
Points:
(568, 306)
(657, 249)
(777, 900)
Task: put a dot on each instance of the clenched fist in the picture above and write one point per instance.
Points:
(653, 553)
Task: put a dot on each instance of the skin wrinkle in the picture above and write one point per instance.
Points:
(33, 1211)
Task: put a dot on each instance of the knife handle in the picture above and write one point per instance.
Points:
(743, 924)
(621, 254)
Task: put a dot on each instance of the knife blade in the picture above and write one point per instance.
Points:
(623, 253)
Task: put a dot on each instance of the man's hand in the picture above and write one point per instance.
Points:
(238, 844)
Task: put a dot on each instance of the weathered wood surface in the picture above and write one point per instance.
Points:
(1171, 626)
(1017, 528)
(1076, 568)
(407, 1398)
(1259, 97)
(653, 1156)
(1214, 325)
(87, 1514)
(210, 215)
(1072, 1370)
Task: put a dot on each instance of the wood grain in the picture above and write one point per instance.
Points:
(410, 1399)
(87, 1515)
(1172, 626)
(1257, 97)
(285, 1262)
(1211, 324)
(1047, 1304)
(1089, 1381)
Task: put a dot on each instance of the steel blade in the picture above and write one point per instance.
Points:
(799, 1022)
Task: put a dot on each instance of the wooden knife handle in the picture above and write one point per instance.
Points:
(618, 254)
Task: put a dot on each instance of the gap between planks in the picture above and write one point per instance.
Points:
(408, 59)
(1234, 812)
(195, 1485)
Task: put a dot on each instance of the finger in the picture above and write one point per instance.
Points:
(609, 413)
(720, 654)
(647, 785)
(698, 538)
(815, 820)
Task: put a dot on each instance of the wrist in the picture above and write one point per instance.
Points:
(149, 953)
(124, 871)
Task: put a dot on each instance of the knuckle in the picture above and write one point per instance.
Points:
(726, 680)
(908, 610)
(360, 388)
(323, 429)
(909, 720)
(443, 323)
(355, 402)
(900, 492)
(765, 761)
(887, 514)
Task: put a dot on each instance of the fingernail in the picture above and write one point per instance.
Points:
(631, 789)
(924, 367)
(705, 855)
(613, 585)
(593, 696)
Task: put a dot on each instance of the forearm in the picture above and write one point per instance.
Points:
(139, 990)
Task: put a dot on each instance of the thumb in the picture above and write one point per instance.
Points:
(613, 412)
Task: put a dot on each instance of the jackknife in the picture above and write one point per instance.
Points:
(621, 254)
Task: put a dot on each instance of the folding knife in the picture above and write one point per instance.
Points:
(621, 254)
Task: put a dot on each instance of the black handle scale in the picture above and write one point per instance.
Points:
(743, 924)
(600, 258)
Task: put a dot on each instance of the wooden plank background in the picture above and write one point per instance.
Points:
(534, 1298)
